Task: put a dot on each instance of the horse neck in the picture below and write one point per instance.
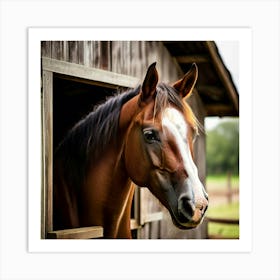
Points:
(107, 195)
(114, 186)
(115, 157)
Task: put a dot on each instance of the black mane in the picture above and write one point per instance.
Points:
(91, 136)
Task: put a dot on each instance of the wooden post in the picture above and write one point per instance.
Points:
(47, 154)
(229, 188)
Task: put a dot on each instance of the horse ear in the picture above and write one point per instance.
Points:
(149, 84)
(187, 83)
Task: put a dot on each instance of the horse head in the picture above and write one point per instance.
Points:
(159, 147)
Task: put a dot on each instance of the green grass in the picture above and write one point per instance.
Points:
(230, 211)
(223, 231)
(219, 182)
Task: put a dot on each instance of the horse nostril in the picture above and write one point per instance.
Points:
(186, 208)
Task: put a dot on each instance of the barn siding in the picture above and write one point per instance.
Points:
(125, 57)
(132, 58)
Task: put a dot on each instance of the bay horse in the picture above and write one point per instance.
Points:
(145, 136)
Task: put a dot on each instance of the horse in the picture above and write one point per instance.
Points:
(142, 136)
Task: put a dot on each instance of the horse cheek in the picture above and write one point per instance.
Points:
(136, 160)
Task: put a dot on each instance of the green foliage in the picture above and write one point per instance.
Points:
(222, 148)
(224, 211)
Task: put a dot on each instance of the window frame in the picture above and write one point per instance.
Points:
(94, 76)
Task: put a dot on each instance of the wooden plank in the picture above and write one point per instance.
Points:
(220, 110)
(149, 205)
(154, 230)
(57, 49)
(105, 59)
(223, 221)
(81, 52)
(116, 57)
(223, 192)
(88, 56)
(89, 73)
(73, 51)
(189, 59)
(134, 224)
(96, 52)
(215, 93)
(77, 233)
(46, 49)
(135, 71)
(153, 217)
(47, 154)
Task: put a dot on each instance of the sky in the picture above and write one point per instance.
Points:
(230, 53)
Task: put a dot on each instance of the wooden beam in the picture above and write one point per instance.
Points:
(214, 93)
(47, 153)
(77, 233)
(223, 221)
(223, 74)
(220, 110)
(157, 216)
(134, 224)
(219, 91)
(89, 73)
(188, 59)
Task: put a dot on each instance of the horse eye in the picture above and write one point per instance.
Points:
(151, 136)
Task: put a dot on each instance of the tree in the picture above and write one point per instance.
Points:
(222, 148)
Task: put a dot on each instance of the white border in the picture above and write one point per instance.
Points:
(262, 16)
(243, 36)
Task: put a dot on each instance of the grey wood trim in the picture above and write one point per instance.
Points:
(84, 72)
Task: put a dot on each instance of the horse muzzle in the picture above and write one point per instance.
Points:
(186, 202)
(190, 212)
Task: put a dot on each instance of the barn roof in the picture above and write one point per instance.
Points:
(215, 85)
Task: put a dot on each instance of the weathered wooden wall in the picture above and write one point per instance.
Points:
(123, 57)
(132, 58)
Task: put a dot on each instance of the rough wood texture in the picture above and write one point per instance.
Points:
(46, 211)
(77, 233)
(87, 60)
(223, 221)
(124, 57)
(92, 74)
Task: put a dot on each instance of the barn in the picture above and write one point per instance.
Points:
(77, 75)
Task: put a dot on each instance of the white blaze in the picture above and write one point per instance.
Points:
(174, 122)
